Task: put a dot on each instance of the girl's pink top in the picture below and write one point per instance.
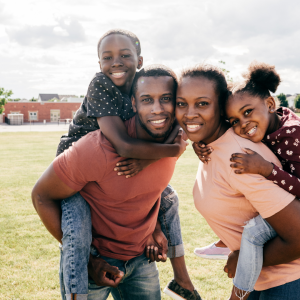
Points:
(285, 143)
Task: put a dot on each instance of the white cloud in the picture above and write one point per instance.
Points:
(47, 36)
(50, 46)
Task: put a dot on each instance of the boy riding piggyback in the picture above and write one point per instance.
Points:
(107, 105)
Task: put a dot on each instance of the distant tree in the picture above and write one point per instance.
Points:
(33, 99)
(297, 101)
(4, 97)
(81, 96)
(283, 101)
(226, 72)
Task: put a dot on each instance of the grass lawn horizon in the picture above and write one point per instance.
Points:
(29, 255)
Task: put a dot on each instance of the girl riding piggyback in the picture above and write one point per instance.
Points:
(252, 113)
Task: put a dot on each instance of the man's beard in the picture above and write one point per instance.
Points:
(154, 135)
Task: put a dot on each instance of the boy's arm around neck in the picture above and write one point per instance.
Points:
(115, 131)
(45, 193)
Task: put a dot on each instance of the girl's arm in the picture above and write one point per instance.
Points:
(115, 131)
(254, 163)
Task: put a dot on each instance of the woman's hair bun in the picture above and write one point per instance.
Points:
(263, 75)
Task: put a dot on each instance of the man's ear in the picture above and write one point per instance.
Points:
(140, 62)
(271, 104)
(133, 102)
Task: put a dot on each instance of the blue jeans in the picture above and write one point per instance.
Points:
(140, 281)
(76, 227)
(288, 291)
(256, 233)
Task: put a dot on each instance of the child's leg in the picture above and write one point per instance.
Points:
(77, 237)
(170, 225)
(256, 233)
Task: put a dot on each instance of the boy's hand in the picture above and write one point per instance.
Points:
(157, 246)
(202, 151)
(251, 162)
(231, 264)
(181, 142)
(103, 273)
(130, 167)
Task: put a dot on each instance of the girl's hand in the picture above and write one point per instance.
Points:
(251, 162)
(130, 167)
(231, 264)
(202, 151)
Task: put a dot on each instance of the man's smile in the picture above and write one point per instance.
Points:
(159, 123)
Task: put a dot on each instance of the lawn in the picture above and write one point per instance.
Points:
(29, 256)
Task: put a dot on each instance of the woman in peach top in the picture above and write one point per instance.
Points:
(228, 200)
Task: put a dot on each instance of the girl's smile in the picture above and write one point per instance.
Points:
(251, 117)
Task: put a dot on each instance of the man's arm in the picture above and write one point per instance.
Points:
(47, 190)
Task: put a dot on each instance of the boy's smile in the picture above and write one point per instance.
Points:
(119, 60)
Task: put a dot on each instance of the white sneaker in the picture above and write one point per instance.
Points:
(212, 252)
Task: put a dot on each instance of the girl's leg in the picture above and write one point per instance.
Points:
(77, 237)
(170, 225)
(256, 233)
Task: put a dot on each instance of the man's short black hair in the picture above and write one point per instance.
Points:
(134, 39)
(153, 71)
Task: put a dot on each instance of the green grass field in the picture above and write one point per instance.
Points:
(29, 256)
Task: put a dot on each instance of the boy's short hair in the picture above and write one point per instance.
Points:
(134, 39)
(156, 70)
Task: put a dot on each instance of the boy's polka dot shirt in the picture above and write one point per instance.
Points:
(103, 98)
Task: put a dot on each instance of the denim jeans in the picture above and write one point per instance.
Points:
(288, 291)
(256, 233)
(140, 280)
(76, 227)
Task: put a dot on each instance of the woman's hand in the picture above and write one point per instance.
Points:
(202, 151)
(251, 162)
(231, 264)
(130, 167)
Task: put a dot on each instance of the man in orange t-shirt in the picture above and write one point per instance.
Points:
(124, 210)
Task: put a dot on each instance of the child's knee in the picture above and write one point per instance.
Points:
(256, 232)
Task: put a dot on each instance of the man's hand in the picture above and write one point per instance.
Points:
(251, 162)
(103, 273)
(157, 246)
(202, 151)
(230, 267)
(181, 142)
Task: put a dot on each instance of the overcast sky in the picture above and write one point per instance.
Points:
(50, 46)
